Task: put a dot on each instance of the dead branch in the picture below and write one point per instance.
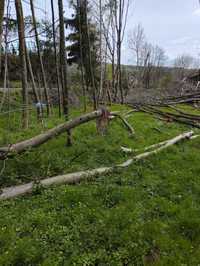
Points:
(154, 146)
(125, 122)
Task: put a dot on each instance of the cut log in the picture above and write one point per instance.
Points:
(12, 192)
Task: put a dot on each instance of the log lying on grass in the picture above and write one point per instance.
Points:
(25, 145)
(74, 178)
(44, 137)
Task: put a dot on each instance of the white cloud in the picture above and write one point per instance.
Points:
(196, 12)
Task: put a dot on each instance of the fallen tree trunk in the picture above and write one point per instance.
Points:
(44, 137)
(25, 145)
(74, 178)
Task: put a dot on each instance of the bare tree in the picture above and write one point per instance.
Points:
(121, 14)
(22, 53)
(181, 63)
(148, 58)
(40, 58)
(136, 40)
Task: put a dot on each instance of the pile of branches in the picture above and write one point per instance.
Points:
(178, 92)
(186, 98)
(176, 115)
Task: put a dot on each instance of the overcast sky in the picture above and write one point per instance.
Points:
(174, 24)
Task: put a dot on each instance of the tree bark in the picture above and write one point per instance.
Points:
(40, 59)
(22, 53)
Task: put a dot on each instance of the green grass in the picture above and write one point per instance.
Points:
(117, 219)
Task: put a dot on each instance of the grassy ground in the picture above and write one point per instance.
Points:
(149, 212)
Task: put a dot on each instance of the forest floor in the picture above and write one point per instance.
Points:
(146, 213)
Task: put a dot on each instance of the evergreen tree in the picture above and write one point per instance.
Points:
(82, 48)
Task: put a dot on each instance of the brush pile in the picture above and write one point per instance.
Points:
(171, 114)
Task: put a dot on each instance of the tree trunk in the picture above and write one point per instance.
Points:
(40, 59)
(81, 56)
(30, 69)
(63, 61)
(22, 54)
(63, 68)
(55, 59)
(5, 83)
(34, 87)
(101, 51)
(2, 5)
(119, 42)
(95, 101)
